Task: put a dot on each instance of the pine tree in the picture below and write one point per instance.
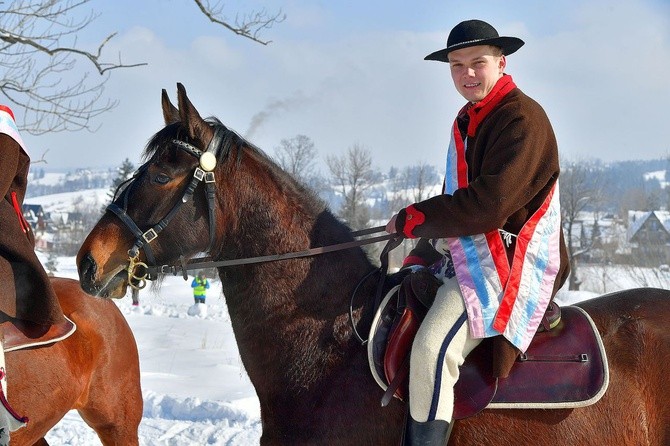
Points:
(124, 172)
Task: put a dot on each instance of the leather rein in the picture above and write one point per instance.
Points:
(183, 267)
(139, 272)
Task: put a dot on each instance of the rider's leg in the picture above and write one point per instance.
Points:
(440, 347)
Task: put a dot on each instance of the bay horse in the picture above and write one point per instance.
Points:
(95, 371)
(291, 317)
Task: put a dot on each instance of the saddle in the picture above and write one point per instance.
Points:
(565, 365)
(18, 334)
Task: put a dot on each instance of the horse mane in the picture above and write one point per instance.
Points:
(232, 141)
(234, 146)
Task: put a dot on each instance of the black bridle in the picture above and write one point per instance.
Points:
(139, 272)
(202, 172)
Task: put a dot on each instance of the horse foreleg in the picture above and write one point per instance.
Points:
(41, 442)
(117, 424)
(114, 412)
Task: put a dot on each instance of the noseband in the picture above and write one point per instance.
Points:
(138, 272)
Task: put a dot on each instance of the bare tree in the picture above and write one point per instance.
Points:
(414, 184)
(38, 49)
(579, 188)
(248, 25)
(58, 84)
(420, 178)
(297, 156)
(396, 193)
(353, 175)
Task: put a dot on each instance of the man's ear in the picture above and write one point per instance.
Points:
(502, 64)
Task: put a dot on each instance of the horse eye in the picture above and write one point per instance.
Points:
(161, 178)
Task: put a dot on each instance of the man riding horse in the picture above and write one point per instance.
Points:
(494, 236)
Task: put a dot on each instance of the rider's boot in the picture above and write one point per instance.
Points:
(433, 433)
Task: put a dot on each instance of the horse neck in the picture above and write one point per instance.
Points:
(265, 210)
(290, 317)
(290, 320)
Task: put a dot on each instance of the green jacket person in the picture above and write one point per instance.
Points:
(200, 285)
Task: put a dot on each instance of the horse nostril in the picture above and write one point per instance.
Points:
(87, 270)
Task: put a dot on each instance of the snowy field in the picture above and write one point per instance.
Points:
(195, 389)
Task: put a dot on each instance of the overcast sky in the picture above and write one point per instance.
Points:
(352, 72)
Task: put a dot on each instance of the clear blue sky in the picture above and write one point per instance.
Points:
(352, 72)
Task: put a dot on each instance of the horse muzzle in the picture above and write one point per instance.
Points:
(110, 285)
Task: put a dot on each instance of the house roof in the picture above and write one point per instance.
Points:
(637, 219)
(32, 207)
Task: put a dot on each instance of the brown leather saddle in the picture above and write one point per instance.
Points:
(565, 365)
(18, 334)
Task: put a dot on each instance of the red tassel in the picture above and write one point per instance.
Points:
(25, 226)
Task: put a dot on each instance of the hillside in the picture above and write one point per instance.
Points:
(75, 201)
(41, 182)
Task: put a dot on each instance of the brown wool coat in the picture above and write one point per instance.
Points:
(512, 165)
(26, 292)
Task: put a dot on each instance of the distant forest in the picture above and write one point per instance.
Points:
(625, 185)
(76, 180)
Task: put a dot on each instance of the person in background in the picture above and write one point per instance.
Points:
(494, 236)
(135, 293)
(200, 286)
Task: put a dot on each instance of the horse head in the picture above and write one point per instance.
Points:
(167, 211)
(201, 189)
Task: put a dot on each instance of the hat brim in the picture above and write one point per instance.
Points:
(508, 45)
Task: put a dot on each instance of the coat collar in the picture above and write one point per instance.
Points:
(477, 112)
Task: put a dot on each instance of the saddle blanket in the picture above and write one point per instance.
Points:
(563, 368)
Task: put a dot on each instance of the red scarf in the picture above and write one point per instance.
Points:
(478, 111)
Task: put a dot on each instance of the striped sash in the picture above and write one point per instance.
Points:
(501, 298)
(8, 125)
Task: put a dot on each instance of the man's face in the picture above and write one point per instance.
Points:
(475, 70)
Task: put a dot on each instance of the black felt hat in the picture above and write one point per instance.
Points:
(472, 33)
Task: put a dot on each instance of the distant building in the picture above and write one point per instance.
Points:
(599, 238)
(35, 215)
(60, 232)
(649, 237)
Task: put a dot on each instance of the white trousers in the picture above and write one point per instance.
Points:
(440, 347)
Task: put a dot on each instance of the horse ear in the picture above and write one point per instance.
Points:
(170, 112)
(198, 128)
